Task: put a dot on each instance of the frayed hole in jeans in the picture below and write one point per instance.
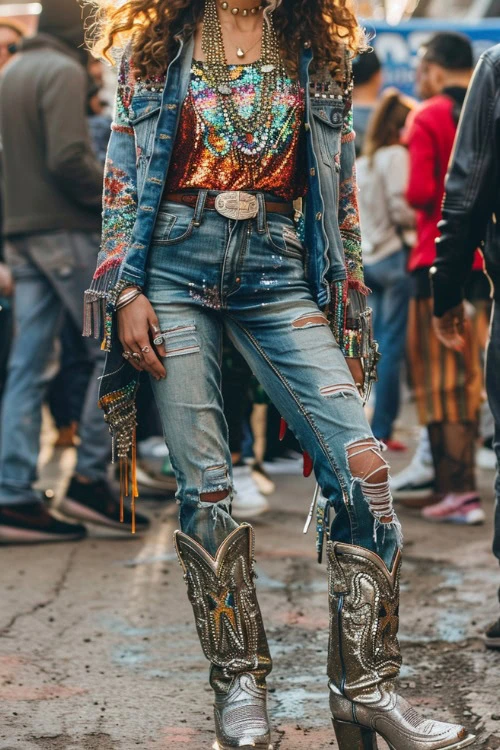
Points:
(371, 471)
(346, 389)
(214, 497)
(310, 320)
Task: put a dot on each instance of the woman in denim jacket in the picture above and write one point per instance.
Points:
(230, 204)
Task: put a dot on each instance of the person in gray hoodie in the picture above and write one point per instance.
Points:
(52, 187)
(11, 34)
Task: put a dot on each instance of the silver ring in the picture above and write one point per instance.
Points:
(158, 341)
(155, 329)
(145, 350)
(136, 356)
(126, 355)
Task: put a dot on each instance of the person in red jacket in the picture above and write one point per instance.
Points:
(447, 384)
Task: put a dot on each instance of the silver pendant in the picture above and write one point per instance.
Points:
(224, 89)
(240, 52)
(268, 68)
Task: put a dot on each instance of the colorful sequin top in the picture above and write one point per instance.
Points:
(209, 154)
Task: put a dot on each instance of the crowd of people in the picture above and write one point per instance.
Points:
(428, 217)
(405, 149)
(431, 303)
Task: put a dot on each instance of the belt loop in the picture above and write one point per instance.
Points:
(262, 215)
(200, 207)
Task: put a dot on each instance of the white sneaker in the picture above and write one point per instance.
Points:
(486, 458)
(248, 502)
(417, 480)
(262, 479)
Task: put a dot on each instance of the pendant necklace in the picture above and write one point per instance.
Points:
(240, 52)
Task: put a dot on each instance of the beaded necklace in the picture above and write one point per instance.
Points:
(256, 127)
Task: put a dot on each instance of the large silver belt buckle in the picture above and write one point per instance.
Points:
(237, 205)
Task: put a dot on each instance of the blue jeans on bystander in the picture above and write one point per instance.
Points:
(390, 285)
(51, 271)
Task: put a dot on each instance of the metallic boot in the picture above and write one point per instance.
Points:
(232, 636)
(364, 659)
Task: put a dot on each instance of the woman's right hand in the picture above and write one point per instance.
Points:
(137, 327)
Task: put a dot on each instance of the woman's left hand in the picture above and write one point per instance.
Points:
(357, 372)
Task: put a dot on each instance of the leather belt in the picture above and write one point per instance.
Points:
(232, 204)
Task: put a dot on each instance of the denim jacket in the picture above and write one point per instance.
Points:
(141, 145)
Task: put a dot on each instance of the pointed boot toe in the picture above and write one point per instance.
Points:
(241, 718)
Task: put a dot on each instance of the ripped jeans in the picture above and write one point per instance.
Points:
(207, 273)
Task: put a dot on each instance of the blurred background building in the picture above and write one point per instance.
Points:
(397, 28)
(394, 11)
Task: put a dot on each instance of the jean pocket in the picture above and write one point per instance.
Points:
(172, 225)
(285, 240)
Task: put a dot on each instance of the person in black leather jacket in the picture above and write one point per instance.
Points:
(470, 212)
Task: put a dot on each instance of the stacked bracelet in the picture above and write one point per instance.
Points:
(127, 297)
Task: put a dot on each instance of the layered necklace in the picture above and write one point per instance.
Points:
(256, 128)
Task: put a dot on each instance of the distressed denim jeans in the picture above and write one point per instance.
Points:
(51, 271)
(207, 273)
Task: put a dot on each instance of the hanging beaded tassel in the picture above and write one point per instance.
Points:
(133, 479)
(103, 288)
(128, 482)
(122, 469)
(120, 413)
(337, 313)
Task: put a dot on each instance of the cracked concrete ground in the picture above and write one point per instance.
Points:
(98, 648)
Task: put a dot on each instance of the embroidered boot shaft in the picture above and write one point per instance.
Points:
(232, 635)
(364, 659)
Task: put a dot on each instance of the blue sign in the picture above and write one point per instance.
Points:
(397, 46)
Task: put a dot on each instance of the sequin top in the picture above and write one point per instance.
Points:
(209, 154)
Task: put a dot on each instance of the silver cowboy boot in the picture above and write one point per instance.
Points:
(232, 636)
(364, 659)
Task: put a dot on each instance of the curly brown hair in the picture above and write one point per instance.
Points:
(153, 24)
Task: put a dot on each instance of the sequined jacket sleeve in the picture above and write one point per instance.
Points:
(350, 298)
(119, 213)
